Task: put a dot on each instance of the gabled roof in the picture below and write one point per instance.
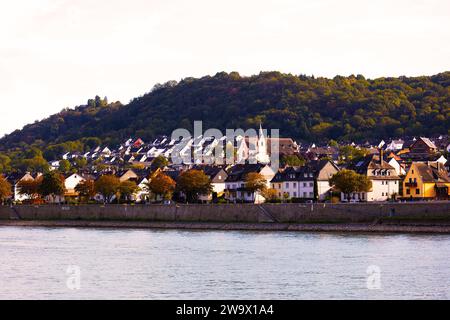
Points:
(433, 172)
(427, 141)
(370, 162)
(239, 171)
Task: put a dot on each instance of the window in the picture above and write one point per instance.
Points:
(287, 184)
(417, 191)
(311, 195)
(295, 185)
(304, 194)
(304, 184)
(311, 184)
(412, 171)
(295, 194)
(408, 191)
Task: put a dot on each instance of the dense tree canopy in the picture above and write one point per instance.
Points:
(194, 183)
(52, 184)
(5, 189)
(107, 186)
(303, 107)
(348, 181)
(161, 185)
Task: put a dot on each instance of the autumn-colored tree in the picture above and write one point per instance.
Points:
(194, 183)
(29, 187)
(255, 182)
(127, 189)
(271, 195)
(348, 181)
(161, 185)
(52, 185)
(5, 189)
(86, 189)
(107, 186)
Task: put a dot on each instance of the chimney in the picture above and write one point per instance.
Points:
(381, 157)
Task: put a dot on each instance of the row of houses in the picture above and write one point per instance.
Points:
(423, 180)
(410, 168)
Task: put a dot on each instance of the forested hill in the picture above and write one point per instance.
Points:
(303, 107)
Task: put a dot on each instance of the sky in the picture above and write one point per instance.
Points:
(56, 54)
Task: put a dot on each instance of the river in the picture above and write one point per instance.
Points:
(47, 263)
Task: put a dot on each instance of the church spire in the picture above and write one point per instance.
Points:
(261, 131)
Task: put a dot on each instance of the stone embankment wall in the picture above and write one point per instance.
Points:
(243, 213)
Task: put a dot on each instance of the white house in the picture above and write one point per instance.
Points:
(235, 182)
(385, 181)
(71, 182)
(395, 145)
(304, 182)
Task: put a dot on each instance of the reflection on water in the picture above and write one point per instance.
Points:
(150, 264)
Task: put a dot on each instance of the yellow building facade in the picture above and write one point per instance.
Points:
(426, 181)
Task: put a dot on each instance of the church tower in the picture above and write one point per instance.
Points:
(262, 155)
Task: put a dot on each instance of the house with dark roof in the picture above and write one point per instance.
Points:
(422, 149)
(217, 176)
(307, 182)
(235, 182)
(384, 178)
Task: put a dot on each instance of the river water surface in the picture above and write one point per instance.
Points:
(45, 263)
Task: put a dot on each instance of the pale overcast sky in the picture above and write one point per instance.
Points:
(58, 53)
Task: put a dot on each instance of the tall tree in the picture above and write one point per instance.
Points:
(255, 183)
(348, 181)
(86, 190)
(161, 185)
(29, 187)
(127, 189)
(107, 186)
(52, 185)
(5, 189)
(194, 183)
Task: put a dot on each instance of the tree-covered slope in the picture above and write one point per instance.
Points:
(302, 107)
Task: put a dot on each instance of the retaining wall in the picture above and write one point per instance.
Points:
(246, 213)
